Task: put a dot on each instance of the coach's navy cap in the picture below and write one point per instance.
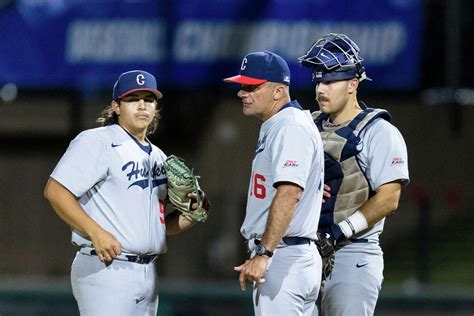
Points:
(135, 80)
(260, 67)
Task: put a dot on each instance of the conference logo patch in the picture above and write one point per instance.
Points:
(290, 163)
(397, 161)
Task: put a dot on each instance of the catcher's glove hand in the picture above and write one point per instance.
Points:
(327, 249)
(326, 243)
(184, 191)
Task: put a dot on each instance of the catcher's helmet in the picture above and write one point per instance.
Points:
(334, 57)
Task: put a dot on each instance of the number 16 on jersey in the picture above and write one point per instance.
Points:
(257, 188)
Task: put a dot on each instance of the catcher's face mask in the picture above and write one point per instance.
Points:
(334, 57)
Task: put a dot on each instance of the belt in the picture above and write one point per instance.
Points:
(293, 241)
(351, 241)
(142, 259)
(359, 241)
(290, 241)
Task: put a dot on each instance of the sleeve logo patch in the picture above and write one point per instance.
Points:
(397, 161)
(290, 163)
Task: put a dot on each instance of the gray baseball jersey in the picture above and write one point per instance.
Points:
(121, 184)
(289, 150)
(383, 159)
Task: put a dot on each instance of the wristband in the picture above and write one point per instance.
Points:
(353, 224)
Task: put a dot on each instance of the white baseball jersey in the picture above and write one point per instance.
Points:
(120, 184)
(289, 150)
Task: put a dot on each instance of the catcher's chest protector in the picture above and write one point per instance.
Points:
(349, 185)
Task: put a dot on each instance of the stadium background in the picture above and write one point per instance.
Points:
(58, 62)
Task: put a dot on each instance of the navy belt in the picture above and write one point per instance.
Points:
(142, 259)
(361, 241)
(291, 241)
(346, 242)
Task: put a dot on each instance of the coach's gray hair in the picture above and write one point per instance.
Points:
(109, 117)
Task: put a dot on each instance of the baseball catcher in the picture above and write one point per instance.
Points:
(365, 174)
(184, 191)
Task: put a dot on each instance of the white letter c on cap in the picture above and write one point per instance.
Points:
(141, 79)
(244, 64)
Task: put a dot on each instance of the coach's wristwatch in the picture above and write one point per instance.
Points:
(262, 251)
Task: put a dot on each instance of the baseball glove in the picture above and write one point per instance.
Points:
(181, 182)
(327, 248)
(328, 242)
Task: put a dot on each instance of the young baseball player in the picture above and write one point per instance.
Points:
(365, 168)
(110, 187)
(285, 192)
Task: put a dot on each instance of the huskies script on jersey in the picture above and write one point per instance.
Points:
(129, 204)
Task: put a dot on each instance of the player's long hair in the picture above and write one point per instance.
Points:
(109, 117)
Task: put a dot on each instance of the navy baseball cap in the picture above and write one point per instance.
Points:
(260, 67)
(135, 80)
